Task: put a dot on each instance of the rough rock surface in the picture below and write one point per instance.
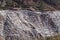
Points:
(28, 25)
(30, 4)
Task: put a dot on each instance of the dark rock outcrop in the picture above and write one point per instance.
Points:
(35, 4)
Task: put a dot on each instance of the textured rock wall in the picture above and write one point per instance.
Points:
(28, 25)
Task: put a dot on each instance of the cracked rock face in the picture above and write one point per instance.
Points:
(28, 25)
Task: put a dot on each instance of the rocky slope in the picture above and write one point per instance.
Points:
(28, 25)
